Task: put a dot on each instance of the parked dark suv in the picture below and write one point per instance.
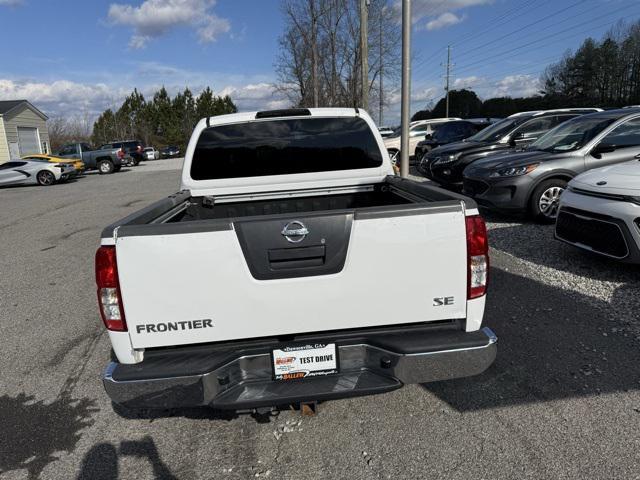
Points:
(133, 148)
(445, 164)
(533, 180)
(450, 132)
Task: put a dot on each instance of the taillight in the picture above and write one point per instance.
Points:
(139, 148)
(120, 154)
(109, 299)
(477, 257)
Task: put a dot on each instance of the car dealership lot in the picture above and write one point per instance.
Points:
(561, 401)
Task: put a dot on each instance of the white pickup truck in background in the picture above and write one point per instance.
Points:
(293, 266)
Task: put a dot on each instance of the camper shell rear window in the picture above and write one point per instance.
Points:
(284, 147)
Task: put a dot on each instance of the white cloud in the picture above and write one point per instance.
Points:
(430, 8)
(516, 86)
(258, 96)
(154, 18)
(72, 99)
(444, 20)
(466, 82)
(62, 96)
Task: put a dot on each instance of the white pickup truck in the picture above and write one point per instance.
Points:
(291, 267)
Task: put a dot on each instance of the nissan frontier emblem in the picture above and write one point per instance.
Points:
(295, 231)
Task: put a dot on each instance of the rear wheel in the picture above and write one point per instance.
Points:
(105, 167)
(118, 168)
(545, 200)
(45, 178)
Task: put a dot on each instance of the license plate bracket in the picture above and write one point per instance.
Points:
(304, 360)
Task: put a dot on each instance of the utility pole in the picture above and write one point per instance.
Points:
(364, 52)
(448, 75)
(314, 54)
(381, 94)
(406, 87)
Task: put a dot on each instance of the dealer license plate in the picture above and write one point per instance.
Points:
(304, 361)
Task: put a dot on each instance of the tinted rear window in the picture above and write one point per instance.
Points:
(279, 147)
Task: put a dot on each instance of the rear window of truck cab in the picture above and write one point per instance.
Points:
(282, 147)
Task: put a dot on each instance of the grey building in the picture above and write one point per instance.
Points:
(23, 130)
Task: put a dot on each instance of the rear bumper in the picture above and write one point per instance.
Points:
(242, 378)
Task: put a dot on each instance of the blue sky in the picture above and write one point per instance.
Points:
(79, 57)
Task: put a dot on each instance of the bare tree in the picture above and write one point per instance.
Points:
(319, 61)
(69, 129)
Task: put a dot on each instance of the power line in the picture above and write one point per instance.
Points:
(472, 34)
(467, 52)
(501, 21)
(518, 9)
(487, 60)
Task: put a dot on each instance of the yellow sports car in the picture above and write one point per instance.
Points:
(76, 162)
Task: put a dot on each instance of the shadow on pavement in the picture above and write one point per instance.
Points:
(32, 432)
(536, 244)
(101, 462)
(552, 344)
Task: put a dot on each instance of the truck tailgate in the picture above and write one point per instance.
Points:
(247, 279)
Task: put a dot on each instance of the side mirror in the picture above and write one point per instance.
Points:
(601, 148)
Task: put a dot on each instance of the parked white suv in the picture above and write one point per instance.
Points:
(417, 131)
(274, 276)
(600, 212)
(151, 153)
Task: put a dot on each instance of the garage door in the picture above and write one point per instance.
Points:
(28, 141)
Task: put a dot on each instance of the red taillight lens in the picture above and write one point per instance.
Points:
(109, 299)
(120, 154)
(139, 148)
(477, 257)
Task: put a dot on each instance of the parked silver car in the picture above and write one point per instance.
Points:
(41, 172)
(533, 180)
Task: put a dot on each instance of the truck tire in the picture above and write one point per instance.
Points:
(105, 167)
(136, 162)
(544, 201)
(117, 168)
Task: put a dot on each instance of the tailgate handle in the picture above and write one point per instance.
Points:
(283, 258)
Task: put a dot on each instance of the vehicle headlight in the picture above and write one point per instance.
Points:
(447, 159)
(514, 171)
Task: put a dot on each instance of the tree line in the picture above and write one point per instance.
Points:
(605, 72)
(161, 121)
(466, 104)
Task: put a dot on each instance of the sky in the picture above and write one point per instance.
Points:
(77, 58)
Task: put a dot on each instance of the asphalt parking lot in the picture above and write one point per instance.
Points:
(561, 401)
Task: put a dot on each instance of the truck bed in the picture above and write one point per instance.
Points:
(181, 208)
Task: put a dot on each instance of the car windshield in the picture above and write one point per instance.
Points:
(445, 131)
(496, 131)
(572, 134)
